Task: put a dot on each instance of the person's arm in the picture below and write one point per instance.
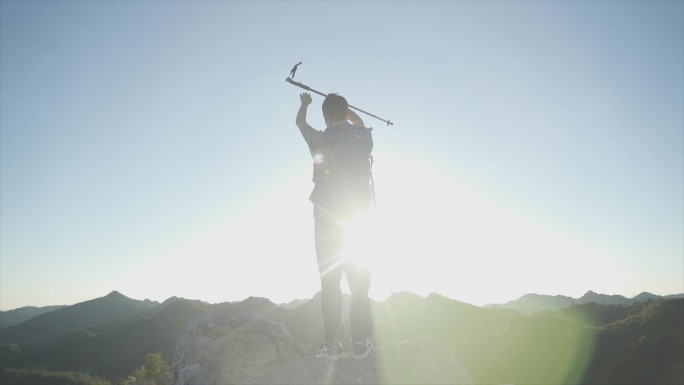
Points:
(354, 118)
(304, 127)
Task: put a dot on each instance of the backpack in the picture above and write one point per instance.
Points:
(345, 172)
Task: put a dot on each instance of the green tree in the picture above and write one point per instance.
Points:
(9, 350)
(150, 372)
(10, 355)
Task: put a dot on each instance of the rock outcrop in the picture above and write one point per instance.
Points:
(216, 349)
(252, 350)
(420, 361)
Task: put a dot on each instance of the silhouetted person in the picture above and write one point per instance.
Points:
(342, 190)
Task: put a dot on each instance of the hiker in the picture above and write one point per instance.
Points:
(342, 190)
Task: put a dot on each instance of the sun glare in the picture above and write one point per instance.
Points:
(432, 232)
(365, 236)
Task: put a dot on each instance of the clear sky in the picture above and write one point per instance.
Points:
(150, 147)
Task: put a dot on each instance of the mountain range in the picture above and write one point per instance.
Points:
(103, 312)
(532, 303)
(527, 304)
(17, 316)
(599, 343)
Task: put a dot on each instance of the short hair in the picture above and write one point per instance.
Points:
(335, 108)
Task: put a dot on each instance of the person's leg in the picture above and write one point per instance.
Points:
(331, 305)
(360, 313)
(329, 241)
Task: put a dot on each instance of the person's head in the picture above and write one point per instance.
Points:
(335, 108)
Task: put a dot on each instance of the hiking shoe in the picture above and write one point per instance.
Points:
(362, 349)
(330, 351)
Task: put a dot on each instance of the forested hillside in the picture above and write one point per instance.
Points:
(641, 343)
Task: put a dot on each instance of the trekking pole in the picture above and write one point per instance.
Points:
(290, 80)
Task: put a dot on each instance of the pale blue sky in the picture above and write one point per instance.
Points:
(150, 147)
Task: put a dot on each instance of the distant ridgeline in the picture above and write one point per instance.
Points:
(17, 316)
(532, 303)
(611, 340)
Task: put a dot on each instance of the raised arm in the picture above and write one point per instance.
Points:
(304, 127)
(354, 118)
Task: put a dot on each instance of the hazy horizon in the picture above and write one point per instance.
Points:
(161, 300)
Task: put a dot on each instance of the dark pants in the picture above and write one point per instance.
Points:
(330, 237)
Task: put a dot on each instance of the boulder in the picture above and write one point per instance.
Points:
(217, 349)
(251, 350)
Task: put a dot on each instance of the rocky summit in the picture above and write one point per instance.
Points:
(420, 360)
(252, 350)
(216, 349)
